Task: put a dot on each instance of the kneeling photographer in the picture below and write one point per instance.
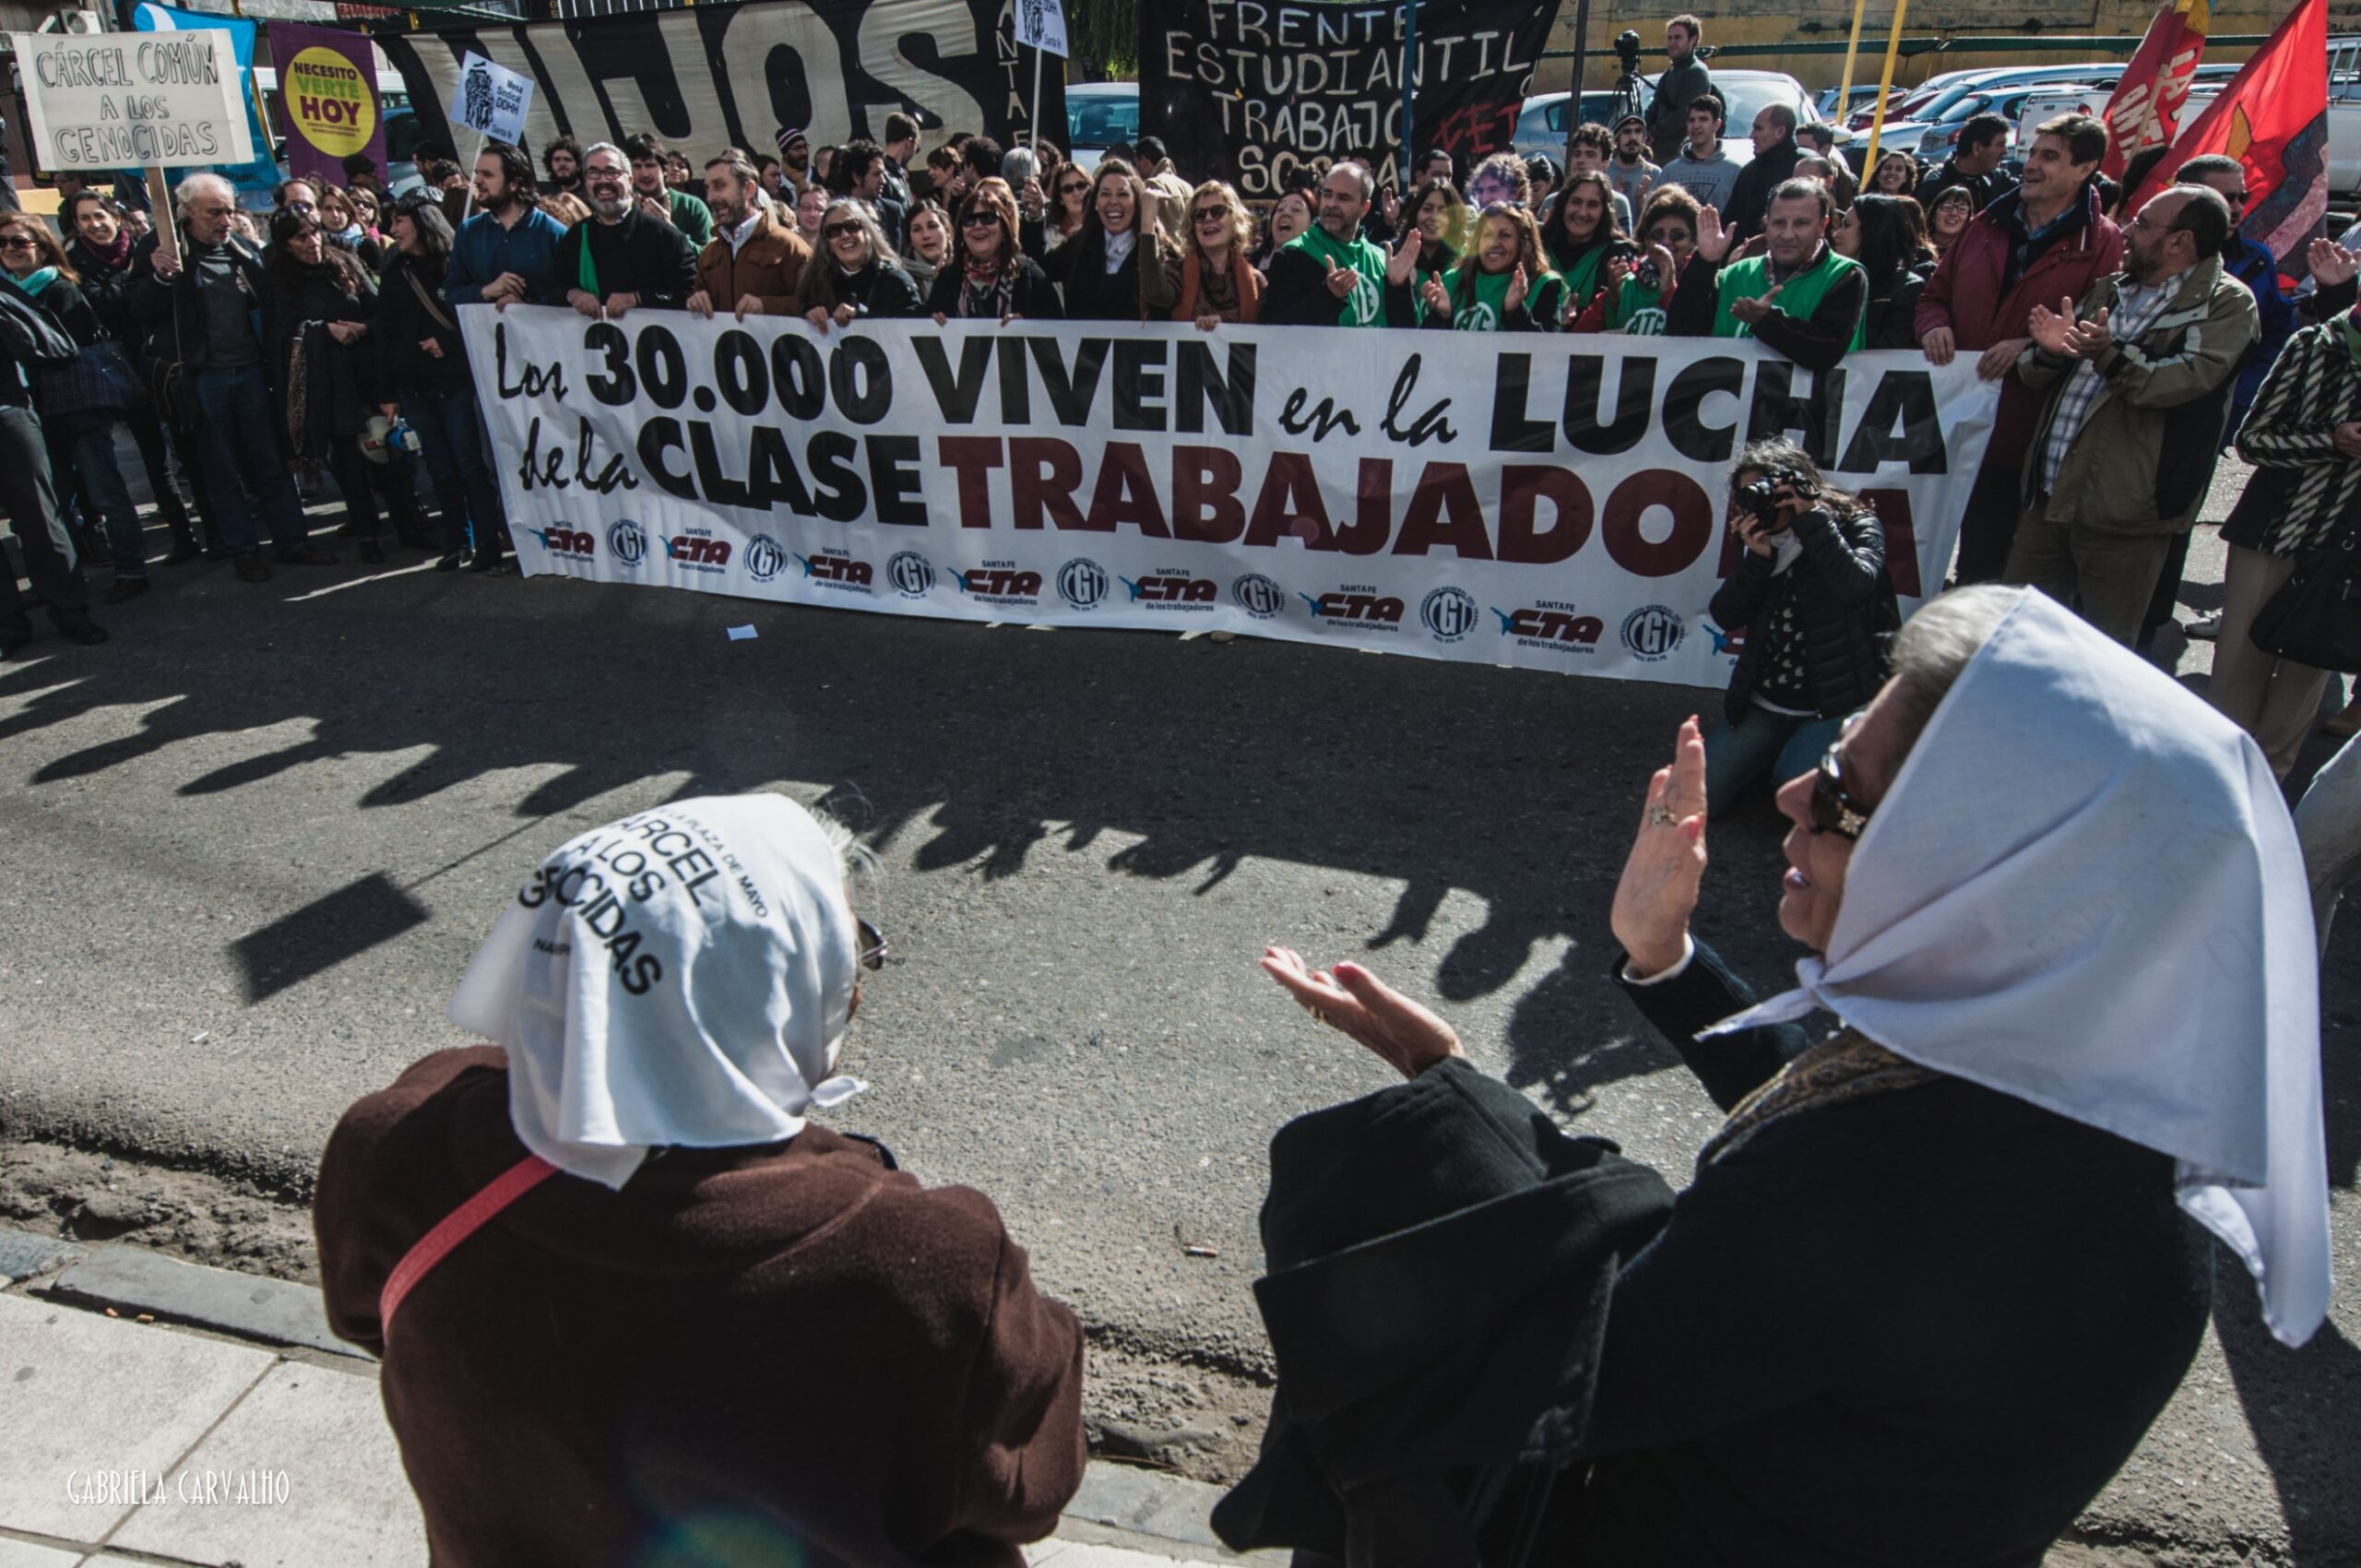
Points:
(1810, 591)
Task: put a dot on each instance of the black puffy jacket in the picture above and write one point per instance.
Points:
(1845, 610)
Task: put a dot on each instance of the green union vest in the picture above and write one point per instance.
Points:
(1750, 279)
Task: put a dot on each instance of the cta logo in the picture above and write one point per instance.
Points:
(699, 551)
(1653, 631)
(1357, 607)
(627, 541)
(841, 572)
(567, 541)
(1259, 596)
(1173, 590)
(766, 558)
(1083, 583)
(1554, 626)
(911, 573)
(1449, 614)
(1001, 584)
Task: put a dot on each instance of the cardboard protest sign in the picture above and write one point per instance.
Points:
(120, 101)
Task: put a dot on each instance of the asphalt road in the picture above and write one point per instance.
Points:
(251, 843)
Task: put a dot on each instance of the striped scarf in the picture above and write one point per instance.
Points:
(2314, 386)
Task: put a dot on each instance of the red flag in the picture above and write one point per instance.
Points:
(2273, 119)
(2146, 105)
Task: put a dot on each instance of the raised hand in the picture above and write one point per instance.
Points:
(2091, 337)
(1437, 298)
(1349, 998)
(1518, 284)
(2054, 330)
(1713, 240)
(2331, 265)
(1405, 259)
(1341, 281)
(1658, 892)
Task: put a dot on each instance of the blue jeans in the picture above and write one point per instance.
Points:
(1761, 747)
(88, 454)
(450, 437)
(239, 416)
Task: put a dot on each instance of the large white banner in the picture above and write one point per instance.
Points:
(1547, 501)
(124, 99)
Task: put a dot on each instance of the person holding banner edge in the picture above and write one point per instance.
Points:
(755, 262)
(989, 277)
(622, 260)
(858, 274)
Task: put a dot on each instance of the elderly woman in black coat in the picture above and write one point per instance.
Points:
(319, 306)
(1937, 1272)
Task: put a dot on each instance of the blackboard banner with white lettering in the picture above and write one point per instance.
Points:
(1246, 90)
(708, 77)
(1549, 501)
(129, 100)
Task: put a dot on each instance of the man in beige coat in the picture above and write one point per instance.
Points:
(754, 262)
(2139, 377)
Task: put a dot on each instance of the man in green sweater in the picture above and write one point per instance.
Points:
(685, 212)
(1329, 276)
(1799, 296)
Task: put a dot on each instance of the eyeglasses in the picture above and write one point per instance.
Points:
(839, 231)
(1834, 809)
(873, 945)
(1212, 215)
(302, 207)
(981, 221)
(16, 241)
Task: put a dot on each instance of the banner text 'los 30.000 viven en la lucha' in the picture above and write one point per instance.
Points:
(1545, 501)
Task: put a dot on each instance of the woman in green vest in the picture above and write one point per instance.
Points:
(1503, 284)
(1578, 241)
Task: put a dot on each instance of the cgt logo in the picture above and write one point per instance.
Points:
(838, 571)
(1358, 608)
(1653, 631)
(567, 541)
(627, 541)
(698, 549)
(1533, 625)
(911, 573)
(766, 558)
(1083, 583)
(999, 582)
(1259, 596)
(1172, 588)
(1449, 614)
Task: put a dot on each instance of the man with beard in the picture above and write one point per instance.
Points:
(795, 162)
(2138, 376)
(562, 159)
(1330, 276)
(860, 167)
(756, 263)
(1629, 171)
(2046, 241)
(683, 211)
(1799, 297)
(624, 258)
(506, 254)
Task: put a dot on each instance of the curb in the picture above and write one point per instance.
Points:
(1121, 1505)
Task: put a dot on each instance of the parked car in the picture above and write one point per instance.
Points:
(1862, 99)
(1542, 127)
(1099, 115)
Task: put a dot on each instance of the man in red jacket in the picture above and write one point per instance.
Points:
(2043, 243)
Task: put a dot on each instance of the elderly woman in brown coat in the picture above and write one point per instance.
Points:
(631, 1302)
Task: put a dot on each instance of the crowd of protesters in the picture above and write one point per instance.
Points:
(320, 338)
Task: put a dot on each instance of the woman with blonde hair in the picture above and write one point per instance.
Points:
(1503, 284)
(1217, 283)
(989, 277)
(856, 273)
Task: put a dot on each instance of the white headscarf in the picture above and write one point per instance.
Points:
(682, 976)
(2083, 890)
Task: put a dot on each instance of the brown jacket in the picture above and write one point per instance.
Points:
(769, 265)
(793, 1347)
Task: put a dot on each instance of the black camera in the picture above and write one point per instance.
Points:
(1762, 497)
(1627, 49)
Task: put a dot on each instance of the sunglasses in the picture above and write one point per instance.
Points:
(1834, 809)
(16, 241)
(1666, 236)
(839, 231)
(302, 207)
(981, 221)
(1212, 215)
(873, 945)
